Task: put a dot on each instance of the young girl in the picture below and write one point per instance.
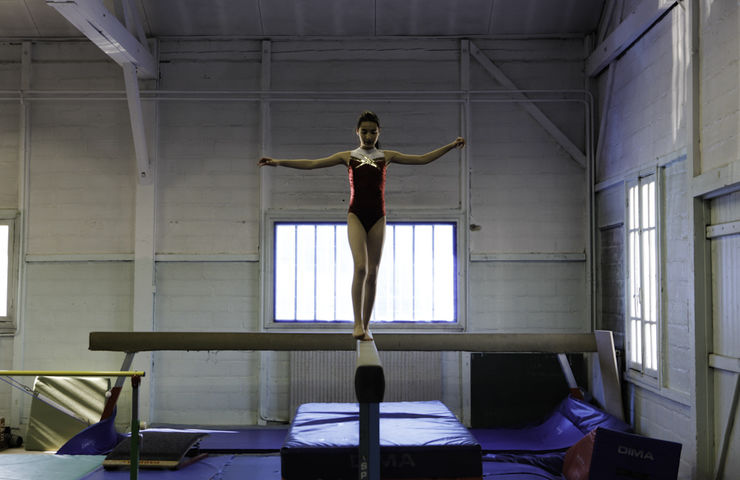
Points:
(366, 218)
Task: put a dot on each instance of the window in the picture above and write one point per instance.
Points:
(7, 269)
(4, 268)
(417, 281)
(643, 294)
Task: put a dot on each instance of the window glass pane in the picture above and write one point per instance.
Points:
(633, 206)
(635, 354)
(305, 272)
(343, 298)
(285, 272)
(444, 273)
(653, 359)
(4, 261)
(384, 294)
(423, 272)
(325, 272)
(403, 273)
(634, 279)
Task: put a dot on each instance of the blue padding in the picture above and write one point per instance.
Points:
(97, 439)
(417, 440)
(516, 471)
(567, 424)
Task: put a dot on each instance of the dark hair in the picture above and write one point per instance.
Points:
(368, 116)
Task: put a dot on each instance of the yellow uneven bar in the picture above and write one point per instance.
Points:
(67, 373)
(411, 342)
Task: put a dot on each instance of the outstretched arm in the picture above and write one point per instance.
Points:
(307, 164)
(398, 157)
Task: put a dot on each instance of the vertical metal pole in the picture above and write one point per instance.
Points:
(135, 382)
(369, 441)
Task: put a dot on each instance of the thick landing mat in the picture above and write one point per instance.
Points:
(417, 440)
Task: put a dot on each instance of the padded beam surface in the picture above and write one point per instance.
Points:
(409, 342)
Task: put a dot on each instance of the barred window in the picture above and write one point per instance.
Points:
(313, 273)
(643, 295)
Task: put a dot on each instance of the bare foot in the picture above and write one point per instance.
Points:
(359, 333)
(368, 337)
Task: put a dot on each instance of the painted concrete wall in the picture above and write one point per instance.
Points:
(526, 196)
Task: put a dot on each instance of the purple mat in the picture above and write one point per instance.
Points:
(516, 471)
(565, 426)
(417, 440)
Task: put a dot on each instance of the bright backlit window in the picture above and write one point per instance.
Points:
(313, 273)
(4, 268)
(642, 291)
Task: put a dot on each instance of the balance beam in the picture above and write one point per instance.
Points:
(369, 389)
(131, 342)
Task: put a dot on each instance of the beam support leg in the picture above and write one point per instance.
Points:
(369, 459)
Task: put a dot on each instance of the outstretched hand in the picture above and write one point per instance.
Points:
(266, 161)
(459, 142)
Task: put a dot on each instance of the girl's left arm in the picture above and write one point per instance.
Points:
(405, 159)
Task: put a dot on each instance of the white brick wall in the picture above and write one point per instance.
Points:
(528, 196)
(9, 114)
(211, 388)
(657, 417)
(6, 360)
(647, 117)
(66, 301)
(208, 179)
(678, 349)
(82, 178)
(720, 95)
(527, 297)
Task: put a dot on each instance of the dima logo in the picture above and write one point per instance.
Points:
(634, 452)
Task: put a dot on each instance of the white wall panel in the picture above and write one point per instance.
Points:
(528, 297)
(82, 178)
(208, 178)
(720, 96)
(9, 130)
(216, 388)
(527, 194)
(66, 301)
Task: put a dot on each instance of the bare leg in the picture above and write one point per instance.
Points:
(375, 239)
(358, 247)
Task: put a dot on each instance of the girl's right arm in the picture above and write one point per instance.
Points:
(307, 164)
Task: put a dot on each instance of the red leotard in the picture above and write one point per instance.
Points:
(367, 188)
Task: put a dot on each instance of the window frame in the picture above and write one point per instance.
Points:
(8, 322)
(267, 255)
(638, 371)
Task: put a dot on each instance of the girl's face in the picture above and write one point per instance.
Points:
(368, 133)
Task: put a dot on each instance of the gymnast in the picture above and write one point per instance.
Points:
(366, 217)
